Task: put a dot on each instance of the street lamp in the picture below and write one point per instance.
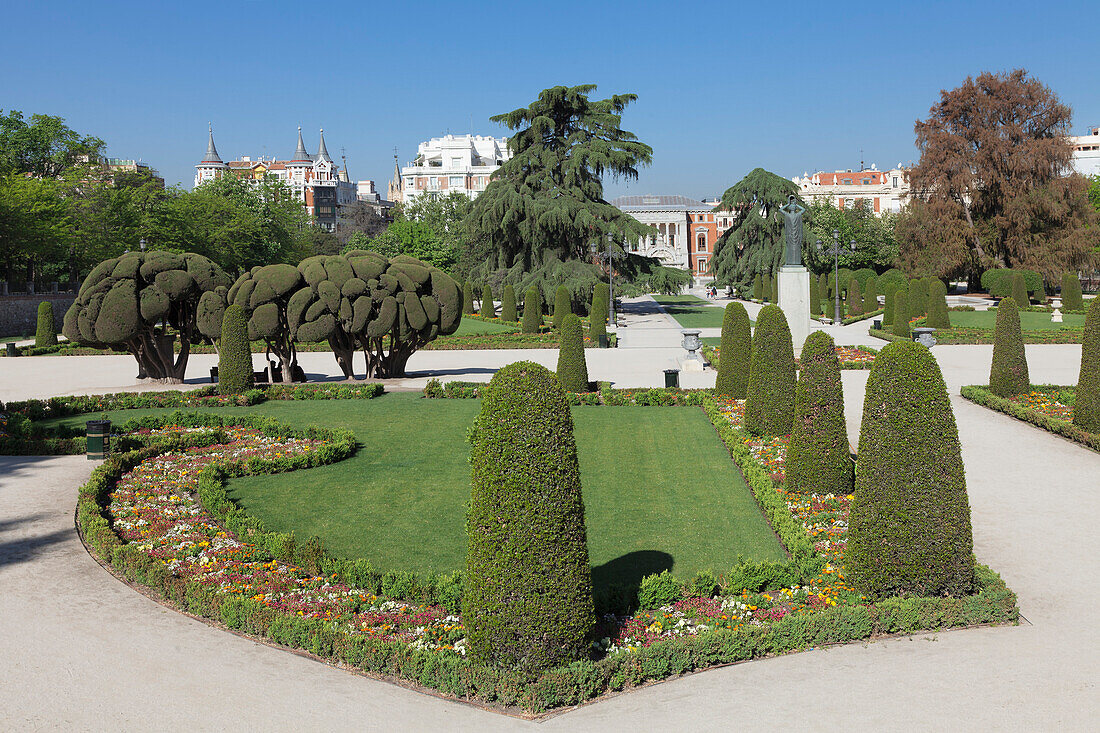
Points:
(142, 244)
(834, 250)
(609, 257)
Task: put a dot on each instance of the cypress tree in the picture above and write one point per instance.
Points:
(1008, 375)
(468, 299)
(815, 297)
(1019, 290)
(757, 287)
(870, 295)
(572, 367)
(855, 302)
(735, 353)
(901, 312)
(45, 333)
(819, 457)
(1071, 292)
(774, 279)
(769, 405)
(234, 353)
(1086, 407)
(909, 522)
(562, 306)
(488, 307)
(937, 305)
(527, 601)
(532, 311)
(508, 305)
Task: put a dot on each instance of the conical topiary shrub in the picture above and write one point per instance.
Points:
(901, 312)
(917, 298)
(508, 305)
(819, 457)
(1072, 299)
(562, 306)
(889, 288)
(937, 305)
(775, 288)
(734, 354)
(468, 299)
(769, 405)
(870, 295)
(1008, 375)
(532, 311)
(1086, 407)
(527, 600)
(758, 287)
(45, 333)
(488, 307)
(854, 302)
(572, 367)
(601, 296)
(815, 297)
(909, 527)
(1019, 290)
(234, 353)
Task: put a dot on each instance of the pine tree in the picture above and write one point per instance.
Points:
(234, 353)
(769, 405)
(819, 457)
(734, 354)
(937, 305)
(488, 307)
(1086, 408)
(46, 330)
(532, 311)
(572, 367)
(909, 523)
(901, 312)
(1071, 292)
(508, 305)
(1008, 375)
(562, 306)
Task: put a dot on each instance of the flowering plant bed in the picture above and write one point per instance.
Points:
(655, 397)
(1046, 406)
(850, 357)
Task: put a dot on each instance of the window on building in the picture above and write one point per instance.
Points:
(433, 182)
(866, 181)
(849, 203)
(847, 181)
(701, 242)
(895, 181)
(701, 265)
(408, 183)
(455, 182)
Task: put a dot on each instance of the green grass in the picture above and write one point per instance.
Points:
(473, 327)
(1029, 320)
(691, 312)
(400, 501)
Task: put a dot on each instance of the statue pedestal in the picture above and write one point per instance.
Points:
(794, 299)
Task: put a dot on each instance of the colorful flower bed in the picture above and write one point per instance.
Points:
(1053, 402)
(1046, 406)
(850, 357)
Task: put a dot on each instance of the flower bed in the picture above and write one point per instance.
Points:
(1046, 406)
(850, 357)
(656, 397)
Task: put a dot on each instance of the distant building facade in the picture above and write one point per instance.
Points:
(883, 190)
(1086, 152)
(686, 230)
(453, 163)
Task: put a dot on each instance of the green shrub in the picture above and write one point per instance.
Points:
(854, 300)
(735, 353)
(1019, 290)
(1071, 292)
(937, 305)
(1008, 374)
(532, 311)
(901, 312)
(528, 590)
(1086, 408)
(572, 367)
(819, 457)
(815, 297)
(703, 585)
(46, 332)
(601, 297)
(468, 299)
(889, 287)
(774, 281)
(758, 287)
(562, 306)
(234, 353)
(659, 589)
(870, 295)
(769, 406)
(488, 306)
(508, 305)
(998, 282)
(918, 298)
(909, 523)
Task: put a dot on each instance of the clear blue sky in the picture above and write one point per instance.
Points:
(722, 87)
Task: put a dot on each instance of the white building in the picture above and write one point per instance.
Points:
(1086, 153)
(676, 220)
(451, 163)
(884, 190)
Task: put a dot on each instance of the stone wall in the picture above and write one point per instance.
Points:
(19, 313)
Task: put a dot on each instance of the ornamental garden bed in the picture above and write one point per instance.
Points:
(850, 357)
(977, 327)
(1047, 406)
(164, 515)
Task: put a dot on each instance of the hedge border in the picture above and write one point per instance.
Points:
(956, 336)
(709, 355)
(980, 394)
(851, 320)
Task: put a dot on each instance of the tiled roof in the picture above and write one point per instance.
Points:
(659, 203)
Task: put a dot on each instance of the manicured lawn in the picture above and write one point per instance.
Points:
(1029, 321)
(660, 489)
(472, 327)
(691, 312)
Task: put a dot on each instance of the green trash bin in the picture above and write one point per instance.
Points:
(99, 439)
(672, 378)
(13, 350)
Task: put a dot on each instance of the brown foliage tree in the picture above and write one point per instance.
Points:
(994, 186)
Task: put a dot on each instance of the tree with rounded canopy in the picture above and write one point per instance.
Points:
(1086, 407)
(819, 457)
(264, 292)
(527, 602)
(572, 366)
(143, 302)
(532, 311)
(1008, 375)
(909, 523)
(734, 353)
(769, 404)
(508, 304)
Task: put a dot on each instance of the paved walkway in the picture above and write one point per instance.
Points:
(82, 651)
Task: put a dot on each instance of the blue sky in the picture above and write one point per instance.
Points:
(722, 87)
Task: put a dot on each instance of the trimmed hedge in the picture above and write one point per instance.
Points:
(888, 289)
(1019, 290)
(1069, 430)
(870, 294)
(1008, 375)
(572, 367)
(736, 350)
(235, 373)
(918, 298)
(45, 333)
(508, 305)
(815, 297)
(998, 282)
(532, 311)
(758, 287)
(468, 299)
(818, 456)
(773, 281)
(601, 299)
(769, 405)
(528, 598)
(901, 313)
(1086, 406)
(854, 300)
(909, 522)
(937, 305)
(1071, 292)
(562, 306)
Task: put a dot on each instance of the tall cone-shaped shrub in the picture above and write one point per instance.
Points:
(527, 602)
(601, 295)
(488, 307)
(870, 295)
(937, 305)
(758, 287)
(562, 306)
(508, 304)
(917, 298)
(815, 297)
(1019, 290)
(819, 457)
(769, 404)
(1086, 408)
(1008, 375)
(888, 304)
(734, 354)
(532, 311)
(775, 288)
(854, 300)
(1071, 292)
(468, 298)
(901, 312)
(909, 525)
(572, 367)
(45, 333)
(234, 353)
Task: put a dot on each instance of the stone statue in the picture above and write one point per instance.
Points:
(792, 232)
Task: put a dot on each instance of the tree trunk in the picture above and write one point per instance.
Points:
(343, 347)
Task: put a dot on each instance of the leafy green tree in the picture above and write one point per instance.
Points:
(1086, 407)
(819, 457)
(235, 373)
(43, 146)
(876, 246)
(508, 305)
(1071, 292)
(532, 311)
(412, 238)
(769, 405)
(572, 366)
(734, 353)
(561, 306)
(36, 228)
(909, 523)
(527, 602)
(1008, 375)
(45, 333)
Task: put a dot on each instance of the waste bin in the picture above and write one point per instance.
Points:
(604, 341)
(98, 433)
(13, 350)
(214, 375)
(672, 378)
(877, 324)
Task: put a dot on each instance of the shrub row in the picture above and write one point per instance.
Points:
(854, 319)
(984, 397)
(656, 397)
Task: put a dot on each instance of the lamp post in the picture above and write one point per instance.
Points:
(142, 244)
(834, 250)
(610, 256)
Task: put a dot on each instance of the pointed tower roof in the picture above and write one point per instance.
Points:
(300, 155)
(212, 156)
(322, 151)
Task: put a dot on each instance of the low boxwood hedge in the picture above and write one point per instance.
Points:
(982, 395)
